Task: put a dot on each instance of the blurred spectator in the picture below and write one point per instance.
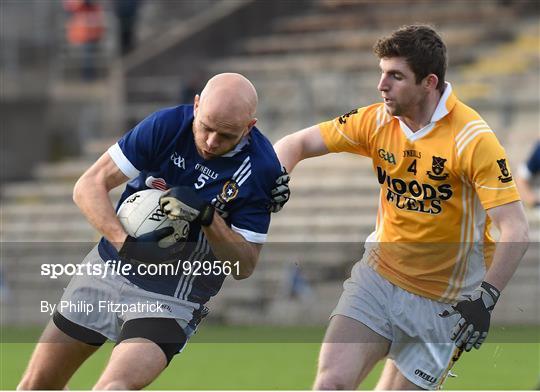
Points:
(298, 287)
(126, 13)
(84, 29)
(525, 176)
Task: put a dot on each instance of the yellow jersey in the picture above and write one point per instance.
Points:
(432, 232)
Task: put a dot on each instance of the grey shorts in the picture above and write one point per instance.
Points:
(104, 304)
(420, 339)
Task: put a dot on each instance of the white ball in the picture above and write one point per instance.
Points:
(140, 213)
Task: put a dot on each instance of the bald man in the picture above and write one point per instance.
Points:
(213, 163)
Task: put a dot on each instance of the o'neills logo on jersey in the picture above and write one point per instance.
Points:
(425, 376)
(412, 154)
(206, 171)
(412, 195)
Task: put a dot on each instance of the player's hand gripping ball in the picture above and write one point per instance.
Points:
(182, 202)
(152, 237)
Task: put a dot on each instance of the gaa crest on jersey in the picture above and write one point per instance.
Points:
(387, 156)
(506, 177)
(229, 191)
(178, 161)
(437, 165)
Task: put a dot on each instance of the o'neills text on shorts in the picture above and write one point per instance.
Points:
(103, 306)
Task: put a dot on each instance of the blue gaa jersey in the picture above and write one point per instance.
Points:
(160, 153)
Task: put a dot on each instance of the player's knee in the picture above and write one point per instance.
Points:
(333, 380)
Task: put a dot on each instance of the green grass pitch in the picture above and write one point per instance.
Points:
(283, 363)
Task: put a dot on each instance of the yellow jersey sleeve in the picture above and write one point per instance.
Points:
(487, 168)
(351, 132)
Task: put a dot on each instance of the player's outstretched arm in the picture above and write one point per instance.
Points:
(475, 310)
(300, 145)
(512, 223)
(182, 202)
(91, 195)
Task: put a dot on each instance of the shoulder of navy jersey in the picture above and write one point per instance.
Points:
(264, 161)
(138, 149)
(254, 178)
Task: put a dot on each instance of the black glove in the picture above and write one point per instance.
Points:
(472, 328)
(146, 249)
(281, 192)
(182, 202)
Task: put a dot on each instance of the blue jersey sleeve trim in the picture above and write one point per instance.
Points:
(117, 155)
(251, 236)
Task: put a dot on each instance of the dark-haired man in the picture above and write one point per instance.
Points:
(444, 179)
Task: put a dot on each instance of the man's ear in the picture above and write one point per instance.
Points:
(196, 101)
(431, 81)
(250, 126)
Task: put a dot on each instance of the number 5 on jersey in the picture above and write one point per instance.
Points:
(201, 181)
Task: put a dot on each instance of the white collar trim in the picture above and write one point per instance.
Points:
(440, 112)
(241, 144)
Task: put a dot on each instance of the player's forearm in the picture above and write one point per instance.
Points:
(231, 246)
(289, 151)
(92, 198)
(300, 145)
(508, 253)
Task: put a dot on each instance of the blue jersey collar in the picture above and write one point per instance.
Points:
(239, 147)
